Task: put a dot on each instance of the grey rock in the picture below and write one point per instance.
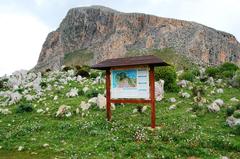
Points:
(101, 33)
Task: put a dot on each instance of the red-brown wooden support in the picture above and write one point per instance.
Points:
(108, 95)
(152, 97)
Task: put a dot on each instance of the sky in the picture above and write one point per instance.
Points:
(24, 24)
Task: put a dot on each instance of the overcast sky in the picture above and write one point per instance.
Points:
(24, 24)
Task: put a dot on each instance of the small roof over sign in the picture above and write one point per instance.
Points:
(130, 61)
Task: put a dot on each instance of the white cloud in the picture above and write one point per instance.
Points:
(21, 39)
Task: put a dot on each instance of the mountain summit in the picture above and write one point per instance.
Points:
(88, 35)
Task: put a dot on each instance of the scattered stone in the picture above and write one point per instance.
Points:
(232, 121)
(172, 100)
(135, 110)
(14, 98)
(85, 106)
(63, 110)
(172, 107)
(220, 90)
(159, 90)
(40, 110)
(144, 108)
(219, 102)
(183, 83)
(55, 98)
(20, 148)
(45, 145)
(214, 107)
(224, 157)
(185, 95)
(219, 81)
(85, 89)
(234, 99)
(73, 93)
(93, 100)
(77, 111)
(210, 81)
(29, 97)
(101, 101)
(5, 111)
(68, 114)
(113, 107)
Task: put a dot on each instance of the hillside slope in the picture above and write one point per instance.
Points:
(106, 33)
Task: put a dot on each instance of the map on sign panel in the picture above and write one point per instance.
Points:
(131, 83)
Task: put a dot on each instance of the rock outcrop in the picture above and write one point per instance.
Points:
(107, 33)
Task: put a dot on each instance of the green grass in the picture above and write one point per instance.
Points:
(182, 134)
(168, 55)
(78, 57)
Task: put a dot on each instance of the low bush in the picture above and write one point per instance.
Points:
(236, 130)
(26, 107)
(187, 75)
(226, 70)
(235, 81)
(198, 91)
(230, 111)
(196, 108)
(67, 68)
(212, 71)
(43, 84)
(82, 73)
(236, 114)
(48, 70)
(195, 72)
(94, 74)
(169, 75)
(237, 106)
(227, 66)
(92, 93)
(80, 92)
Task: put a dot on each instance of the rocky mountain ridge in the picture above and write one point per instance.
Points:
(98, 33)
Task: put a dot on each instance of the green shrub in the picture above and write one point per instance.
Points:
(226, 70)
(48, 70)
(43, 84)
(82, 73)
(26, 107)
(195, 72)
(169, 75)
(230, 111)
(86, 68)
(236, 130)
(92, 93)
(196, 108)
(227, 66)
(237, 106)
(94, 74)
(3, 84)
(198, 90)
(236, 114)
(67, 68)
(212, 71)
(235, 82)
(188, 75)
(227, 74)
(80, 92)
(77, 67)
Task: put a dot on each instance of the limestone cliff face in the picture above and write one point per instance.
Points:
(109, 34)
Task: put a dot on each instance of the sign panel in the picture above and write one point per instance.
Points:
(130, 83)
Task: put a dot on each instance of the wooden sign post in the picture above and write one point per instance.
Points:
(131, 80)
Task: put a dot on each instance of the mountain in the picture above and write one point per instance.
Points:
(88, 35)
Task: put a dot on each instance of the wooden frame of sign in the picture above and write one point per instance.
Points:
(139, 62)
